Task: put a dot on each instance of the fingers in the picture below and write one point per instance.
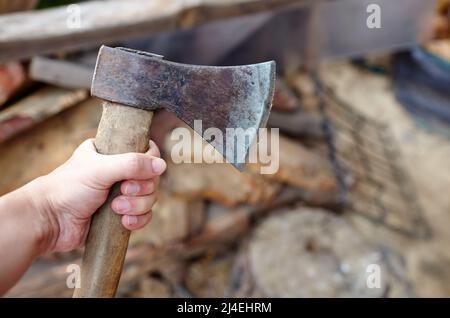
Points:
(134, 222)
(139, 187)
(136, 211)
(133, 205)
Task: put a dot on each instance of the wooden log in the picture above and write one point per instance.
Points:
(50, 280)
(221, 183)
(35, 108)
(63, 73)
(300, 167)
(101, 22)
(303, 85)
(152, 287)
(220, 230)
(334, 258)
(210, 276)
(299, 124)
(174, 219)
(47, 145)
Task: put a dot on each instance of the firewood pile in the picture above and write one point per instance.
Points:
(218, 232)
(215, 230)
(203, 209)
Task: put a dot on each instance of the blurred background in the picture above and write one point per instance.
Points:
(362, 104)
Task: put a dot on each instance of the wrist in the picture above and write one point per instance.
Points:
(44, 224)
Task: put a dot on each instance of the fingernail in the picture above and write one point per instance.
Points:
(123, 205)
(158, 165)
(132, 219)
(132, 188)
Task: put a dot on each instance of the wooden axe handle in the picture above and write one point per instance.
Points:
(122, 129)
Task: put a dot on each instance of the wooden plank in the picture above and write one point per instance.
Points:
(101, 22)
(62, 73)
(35, 108)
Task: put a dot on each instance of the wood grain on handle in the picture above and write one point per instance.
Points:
(122, 129)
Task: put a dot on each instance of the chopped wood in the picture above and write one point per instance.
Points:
(35, 108)
(209, 277)
(330, 258)
(221, 229)
(102, 22)
(47, 145)
(152, 287)
(221, 183)
(299, 124)
(62, 73)
(303, 85)
(174, 219)
(225, 226)
(300, 167)
(12, 78)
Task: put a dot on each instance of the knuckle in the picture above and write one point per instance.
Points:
(135, 164)
(150, 186)
(146, 203)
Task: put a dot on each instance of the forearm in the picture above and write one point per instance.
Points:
(23, 231)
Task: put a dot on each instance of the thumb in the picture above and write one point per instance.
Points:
(128, 166)
(105, 170)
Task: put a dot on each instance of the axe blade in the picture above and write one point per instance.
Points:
(222, 98)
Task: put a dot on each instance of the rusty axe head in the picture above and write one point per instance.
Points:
(237, 97)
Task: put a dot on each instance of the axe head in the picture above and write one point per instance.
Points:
(234, 101)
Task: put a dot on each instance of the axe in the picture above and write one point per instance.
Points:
(133, 84)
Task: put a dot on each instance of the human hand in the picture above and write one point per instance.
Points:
(68, 196)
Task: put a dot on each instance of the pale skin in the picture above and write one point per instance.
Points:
(52, 213)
